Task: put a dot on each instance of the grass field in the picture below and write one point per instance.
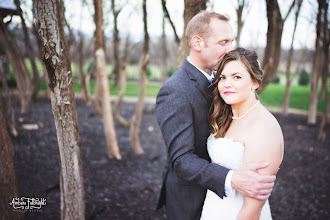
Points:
(272, 96)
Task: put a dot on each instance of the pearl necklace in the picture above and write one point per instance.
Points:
(246, 111)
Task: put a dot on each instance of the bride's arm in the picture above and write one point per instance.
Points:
(266, 144)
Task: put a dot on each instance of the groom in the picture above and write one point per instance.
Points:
(182, 108)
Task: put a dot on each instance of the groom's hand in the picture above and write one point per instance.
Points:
(248, 182)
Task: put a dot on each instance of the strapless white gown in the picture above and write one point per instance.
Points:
(229, 154)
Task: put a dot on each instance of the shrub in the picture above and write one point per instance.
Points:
(303, 77)
(149, 72)
(170, 70)
(90, 66)
(276, 80)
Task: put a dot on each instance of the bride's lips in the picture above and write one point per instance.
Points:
(229, 93)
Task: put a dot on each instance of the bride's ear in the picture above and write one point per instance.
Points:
(255, 85)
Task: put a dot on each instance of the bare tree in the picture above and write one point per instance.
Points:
(288, 66)
(4, 74)
(191, 8)
(167, 15)
(274, 37)
(80, 53)
(312, 113)
(164, 53)
(136, 118)
(29, 50)
(56, 58)
(240, 22)
(323, 127)
(116, 41)
(99, 42)
(22, 76)
(100, 64)
(82, 81)
(122, 84)
(326, 41)
(9, 188)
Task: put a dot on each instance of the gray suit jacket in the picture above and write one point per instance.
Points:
(182, 108)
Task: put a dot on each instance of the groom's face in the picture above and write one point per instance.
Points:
(217, 44)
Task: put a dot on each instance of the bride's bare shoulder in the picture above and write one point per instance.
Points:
(265, 141)
(268, 121)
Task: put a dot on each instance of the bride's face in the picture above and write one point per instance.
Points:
(236, 85)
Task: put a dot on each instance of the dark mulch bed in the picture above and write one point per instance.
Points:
(129, 189)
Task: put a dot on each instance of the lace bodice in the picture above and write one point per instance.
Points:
(226, 152)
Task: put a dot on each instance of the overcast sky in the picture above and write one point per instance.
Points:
(253, 34)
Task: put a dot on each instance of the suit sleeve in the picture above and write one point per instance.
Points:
(175, 117)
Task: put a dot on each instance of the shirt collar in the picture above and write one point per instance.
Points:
(208, 77)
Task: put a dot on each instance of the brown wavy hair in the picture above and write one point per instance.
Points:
(220, 113)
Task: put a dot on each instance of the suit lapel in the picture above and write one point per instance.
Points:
(202, 83)
(204, 87)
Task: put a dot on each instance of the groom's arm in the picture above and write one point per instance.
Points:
(175, 117)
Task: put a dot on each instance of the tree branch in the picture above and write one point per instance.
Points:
(287, 15)
(166, 14)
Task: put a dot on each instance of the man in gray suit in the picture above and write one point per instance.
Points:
(182, 108)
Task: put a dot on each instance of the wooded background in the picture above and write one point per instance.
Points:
(38, 44)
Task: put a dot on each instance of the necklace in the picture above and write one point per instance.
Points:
(246, 111)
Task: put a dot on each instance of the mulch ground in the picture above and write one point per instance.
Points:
(129, 189)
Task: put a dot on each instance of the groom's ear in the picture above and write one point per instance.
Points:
(196, 43)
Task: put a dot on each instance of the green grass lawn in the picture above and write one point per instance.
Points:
(272, 96)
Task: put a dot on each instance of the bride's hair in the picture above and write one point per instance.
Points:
(220, 113)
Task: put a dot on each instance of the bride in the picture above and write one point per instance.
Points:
(243, 131)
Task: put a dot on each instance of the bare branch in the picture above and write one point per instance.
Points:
(287, 15)
(167, 15)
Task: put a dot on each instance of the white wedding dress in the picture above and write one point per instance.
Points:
(228, 153)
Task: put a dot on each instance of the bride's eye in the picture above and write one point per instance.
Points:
(237, 77)
(222, 78)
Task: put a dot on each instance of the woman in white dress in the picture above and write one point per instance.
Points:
(243, 131)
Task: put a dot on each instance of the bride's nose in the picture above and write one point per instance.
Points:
(227, 83)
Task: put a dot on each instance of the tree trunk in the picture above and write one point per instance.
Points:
(100, 62)
(323, 127)
(4, 73)
(98, 94)
(22, 76)
(164, 53)
(326, 41)
(29, 50)
(82, 81)
(56, 58)
(9, 188)
(274, 37)
(116, 42)
(167, 15)
(45, 76)
(191, 8)
(122, 84)
(286, 103)
(90, 74)
(136, 119)
(312, 113)
(240, 22)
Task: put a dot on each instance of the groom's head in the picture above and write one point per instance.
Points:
(209, 37)
(200, 25)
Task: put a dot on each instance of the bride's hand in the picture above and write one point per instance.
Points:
(248, 182)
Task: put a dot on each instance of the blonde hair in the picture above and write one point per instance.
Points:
(200, 23)
(220, 112)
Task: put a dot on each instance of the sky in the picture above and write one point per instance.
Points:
(253, 33)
